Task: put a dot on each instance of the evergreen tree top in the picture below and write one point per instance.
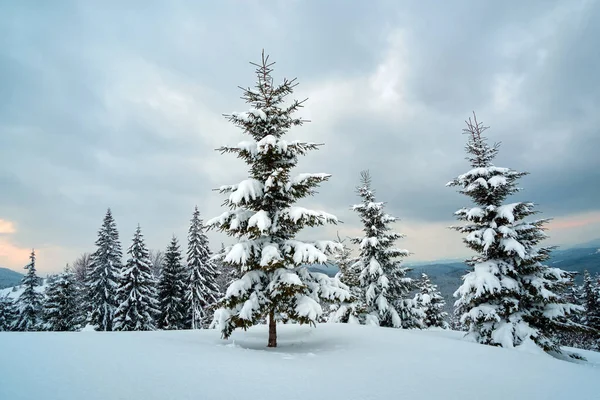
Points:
(485, 183)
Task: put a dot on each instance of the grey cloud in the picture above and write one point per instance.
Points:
(76, 135)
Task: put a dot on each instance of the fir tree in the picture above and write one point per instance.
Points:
(590, 297)
(62, 304)
(138, 304)
(29, 302)
(354, 309)
(8, 314)
(509, 295)
(431, 301)
(383, 280)
(103, 275)
(203, 290)
(274, 281)
(172, 289)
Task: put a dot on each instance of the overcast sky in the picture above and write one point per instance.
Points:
(106, 104)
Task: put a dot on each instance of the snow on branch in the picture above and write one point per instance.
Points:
(301, 215)
(243, 192)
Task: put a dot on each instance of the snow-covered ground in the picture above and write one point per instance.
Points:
(332, 361)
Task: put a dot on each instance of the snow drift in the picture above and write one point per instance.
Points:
(332, 361)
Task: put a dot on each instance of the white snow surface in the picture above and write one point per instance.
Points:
(331, 361)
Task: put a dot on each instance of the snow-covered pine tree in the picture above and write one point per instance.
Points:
(431, 301)
(61, 310)
(172, 289)
(202, 291)
(136, 292)
(590, 297)
(274, 281)
(510, 295)
(8, 314)
(353, 310)
(383, 279)
(103, 275)
(29, 302)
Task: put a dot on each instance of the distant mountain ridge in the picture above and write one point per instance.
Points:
(9, 278)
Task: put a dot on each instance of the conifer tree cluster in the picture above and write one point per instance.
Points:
(510, 295)
(274, 281)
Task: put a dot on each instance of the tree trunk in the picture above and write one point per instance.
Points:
(272, 330)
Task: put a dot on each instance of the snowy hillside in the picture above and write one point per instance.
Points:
(15, 291)
(333, 361)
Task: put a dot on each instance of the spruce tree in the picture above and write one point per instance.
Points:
(509, 295)
(383, 279)
(202, 291)
(62, 304)
(29, 302)
(172, 289)
(136, 292)
(103, 275)
(590, 297)
(430, 300)
(353, 310)
(274, 281)
(8, 314)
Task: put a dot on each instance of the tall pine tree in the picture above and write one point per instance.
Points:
(202, 291)
(62, 305)
(274, 281)
(29, 302)
(172, 289)
(138, 304)
(431, 301)
(103, 275)
(509, 295)
(383, 279)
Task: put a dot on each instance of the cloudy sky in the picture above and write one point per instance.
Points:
(105, 104)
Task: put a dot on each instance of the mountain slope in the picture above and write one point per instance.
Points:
(9, 278)
(331, 361)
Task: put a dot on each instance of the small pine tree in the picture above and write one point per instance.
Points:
(8, 314)
(202, 291)
(383, 280)
(509, 295)
(274, 281)
(138, 304)
(353, 310)
(29, 302)
(102, 279)
(172, 289)
(431, 301)
(590, 297)
(62, 304)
